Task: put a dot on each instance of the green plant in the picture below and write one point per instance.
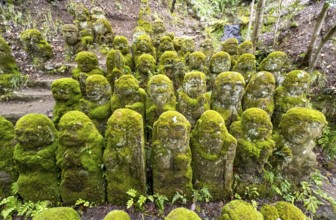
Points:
(202, 195)
(251, 192)
(84, 204)
(328, 142)
(179, 196)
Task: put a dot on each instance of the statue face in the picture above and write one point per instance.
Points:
(188, 45)
(62, 93)
(231, 92)
(86, 65)
(71, 132)
(264, 91)
(297, 89)
(231, 48)
(100, 28)
(143, 45)
(81, 14)
(247, 64)
(166, 45)
(257, 130)
(211, 142)
(158, 27)
(160, 93)
(70, 36)
(173, 136)
(122, 46)
(298, 134)
(118, 136)
(145, 65)
(195, 62)
(220, 64)
(194, 86)
(95, 91)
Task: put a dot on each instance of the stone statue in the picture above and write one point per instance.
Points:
(171, 155)
(193, 100)
(159, 31)
(97, 13)
(231, 47)
(213, 152)
(226, 96)
(128, 94)
(72, 40)
(8, 173)
(276, 63)
(87, 64)
(166, 64)
(115, 66)
(84, 24)
(79, 156)
(35, 160)
(197, 61)
(120, 43)
(97, 105)
(208, 49)
(143, 45)
(66, 93)
(292, 93)
(38, 49)
(245, 47)
(146, 66)
(103, 32)
(259, 92)
(187, 47)
(124, 156)
(246, 65)
(220, 62)
(166, 44)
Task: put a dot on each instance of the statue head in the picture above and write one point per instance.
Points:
(126, 85)
(194, 83)
(301, 125)
(220, 62)
(35, 131)
(168, 59)
(98, 89)
(114, 59)
(245, 47)
(121, 43)
(166, 44)
(261, 85)
(246, 62)
(172, 129)
(229, 88)
(196, 60)
(81, 13)
(230, 46)
(102, 26)
(160, 89)
(158, 26)
(256, 124)
(188, 45)
(144, 43)
(70, 34)
(65, 89)
(273, 62)
(297, 82)
(97, 13)
(146, 64)
(86, 61)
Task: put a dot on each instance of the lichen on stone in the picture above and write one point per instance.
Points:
(143, 45)
(121, 43)
(115, 64)
(197, 61)
(60, 213)
(245, 47)
(117, 215)
(239, 209)
(146, 67)
(103, 31)
(282, 210)
(182, 213)
(246, 65)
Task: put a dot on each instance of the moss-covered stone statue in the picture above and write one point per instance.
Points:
(37, 48)
(226, 96)
(146, 67)
(117, 215)
(208, 49)
(79, 156)
(193, 100)
(87, 65)
(182, 213)
(66, 93)
(166, 44)
(259, 92)
(128, 94)
(276, 63)
(166, 64)
(292, 93)
(239, 209)
(116, 67)
(159, 31)
(124, 156)
(97, 13)
(104, 34)
(73, 43)
(121, 43)
(197, 61)
(245, 47)
(143, 45)
(213, 152)
(8, 173)
(97, 105)
(9, 71)
(255, 144)
(187, 47)
(246, 65)
(179, 70)
(171, 155)
(35, 160)
(299, 127)
(84, 24)
(231, 47)
(60, 213)
(282, 210)
(177, 41)
(220, 62)
(160, 98)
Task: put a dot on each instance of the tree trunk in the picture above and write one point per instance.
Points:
(248, 34)
(173, 6)
(318, 26)
(277, 24)
(324, 40)
(258, 22)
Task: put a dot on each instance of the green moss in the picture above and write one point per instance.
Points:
(296, 78)
(117, 215)
(182, 213)
(166, 64)
(166, 44)
(220, 62)
(288, 211)
(143, 45)
(67, 94)
(269, 212)
(171, 155)
(197, 61)
(246, 65)
(121, 43)
(103, 32)
(79, 155)
(187, 47)
(245, 47)
(213, 150)
(229, 77)
(34, 156)
(146, 66)
(7, 168)
(7, 60)
(124, 157)
(60, 213)
(238, 209)
(230, 46)
(274, 61)
(115, 66)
